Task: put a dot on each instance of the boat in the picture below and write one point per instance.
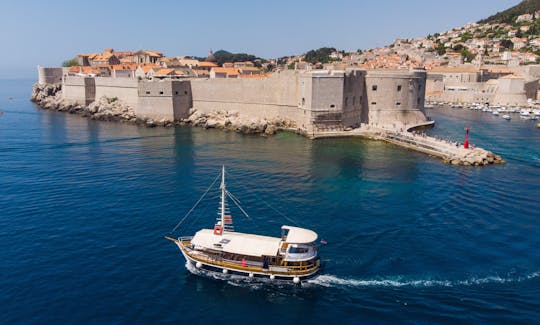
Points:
(495, 112)
(506, 117)
(222, 251)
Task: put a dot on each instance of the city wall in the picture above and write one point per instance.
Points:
(258, 98)
(316, 101)
(50, 75)
(396, 98)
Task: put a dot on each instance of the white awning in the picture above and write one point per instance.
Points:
(300, 235)
(237, 243)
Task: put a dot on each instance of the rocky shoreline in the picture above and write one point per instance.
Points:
(49, 96)
(475, 157)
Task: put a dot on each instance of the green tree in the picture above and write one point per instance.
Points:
(321, 55)
(441, 49)
(70, 62)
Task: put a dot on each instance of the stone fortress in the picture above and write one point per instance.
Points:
(377, 104)
(317, 102)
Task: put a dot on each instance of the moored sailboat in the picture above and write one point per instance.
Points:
(291, 257)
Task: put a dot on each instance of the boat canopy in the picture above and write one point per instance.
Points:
(237, 243)
(299, 235)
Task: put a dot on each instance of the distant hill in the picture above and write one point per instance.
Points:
(223, 56)
(509, 15)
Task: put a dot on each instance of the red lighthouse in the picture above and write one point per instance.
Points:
(466, 142)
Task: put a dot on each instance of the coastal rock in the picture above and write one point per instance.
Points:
(49, 96)
(231, 120)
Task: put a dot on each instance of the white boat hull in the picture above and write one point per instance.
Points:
(272, 274)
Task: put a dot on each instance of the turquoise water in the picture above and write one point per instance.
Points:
(85, 204)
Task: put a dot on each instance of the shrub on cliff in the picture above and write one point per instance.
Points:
(70, 62)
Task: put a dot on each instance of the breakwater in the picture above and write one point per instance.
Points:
(450, 152)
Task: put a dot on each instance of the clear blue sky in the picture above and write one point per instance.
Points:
(48, 32)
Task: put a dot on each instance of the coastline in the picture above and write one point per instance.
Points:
(49, 96)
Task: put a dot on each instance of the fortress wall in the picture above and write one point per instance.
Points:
(125, 89)
(396, 98)
(327, 100)
(182, 98)
(510, 91)
(80, 90)
(165, 99)
(266, 98)
(49, 75)
(354, 111)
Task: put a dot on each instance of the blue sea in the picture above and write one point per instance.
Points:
(84, 206)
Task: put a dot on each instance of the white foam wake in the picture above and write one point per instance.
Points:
(327, 280)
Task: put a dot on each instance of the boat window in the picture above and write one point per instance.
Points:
(298, 250)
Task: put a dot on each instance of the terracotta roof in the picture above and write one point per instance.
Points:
(207, 64)
(147, 67)
(131, 67)
(228, 71)
(165, 72)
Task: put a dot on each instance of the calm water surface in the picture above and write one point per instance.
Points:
(84, 206)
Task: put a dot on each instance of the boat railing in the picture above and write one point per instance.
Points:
(216, 259)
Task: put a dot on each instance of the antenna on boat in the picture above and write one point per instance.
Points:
(223, 193)
(224, 220)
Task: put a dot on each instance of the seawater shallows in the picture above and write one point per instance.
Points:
(85, 204)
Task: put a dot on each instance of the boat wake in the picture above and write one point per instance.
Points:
(327, 280)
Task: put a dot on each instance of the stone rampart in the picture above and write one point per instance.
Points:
(125, 89)
(165, 99)
(315, 101)
(396, 98)
(259, 98)
(79, 90)
(49, 75)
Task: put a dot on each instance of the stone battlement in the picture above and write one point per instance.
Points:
(317, 101)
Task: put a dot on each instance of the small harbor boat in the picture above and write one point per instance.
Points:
(495, 113)
(506, 117)
(221, 250)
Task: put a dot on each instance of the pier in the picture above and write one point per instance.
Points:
(450, 152)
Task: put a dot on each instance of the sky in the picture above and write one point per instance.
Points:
(48, 32)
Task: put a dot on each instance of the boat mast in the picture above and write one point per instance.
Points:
(223, 193)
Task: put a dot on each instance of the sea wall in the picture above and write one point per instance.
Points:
(165, 99)
(125, 89)
(314, 102)
(79, 90)
(48, 75)
(258, 98)
(396, 98)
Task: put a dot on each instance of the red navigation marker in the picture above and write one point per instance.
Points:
(466, 142)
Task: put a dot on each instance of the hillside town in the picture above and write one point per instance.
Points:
(493, 63)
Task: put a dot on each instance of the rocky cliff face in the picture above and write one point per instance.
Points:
(49, 96)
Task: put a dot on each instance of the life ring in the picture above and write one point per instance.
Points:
(218, 230)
